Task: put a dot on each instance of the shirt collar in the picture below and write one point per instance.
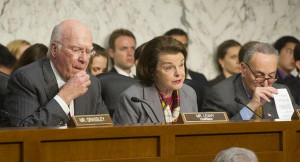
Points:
(60, 81)
(249, 96)
(122, 72)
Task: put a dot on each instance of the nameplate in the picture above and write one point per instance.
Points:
(296, 115)
(200, 117)
(91, 120)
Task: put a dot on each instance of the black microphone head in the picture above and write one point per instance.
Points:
(135, 99)
(3, 113)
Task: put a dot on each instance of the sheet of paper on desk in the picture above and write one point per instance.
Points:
(283, 104)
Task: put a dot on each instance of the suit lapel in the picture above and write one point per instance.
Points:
(51, 88)
(151, 97)
(240, 90)
(80, 106)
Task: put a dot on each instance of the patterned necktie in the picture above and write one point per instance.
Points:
(259, 111)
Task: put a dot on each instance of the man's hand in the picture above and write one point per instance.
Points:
(260, 96)
(76, 86)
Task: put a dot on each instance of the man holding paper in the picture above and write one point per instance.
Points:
(254, 88)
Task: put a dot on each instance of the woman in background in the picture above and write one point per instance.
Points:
(31, 54)
(17, 47)
(228, 61)
(98, 62)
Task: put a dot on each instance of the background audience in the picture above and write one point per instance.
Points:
(182, 37)
(285, 46)
(121, 49)
(17, 47)
(7, 60)
(294, 84)
(31, 54)
(98, 62)
(227, 60)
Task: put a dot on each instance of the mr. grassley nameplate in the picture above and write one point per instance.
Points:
(91, 120)
(200, 117)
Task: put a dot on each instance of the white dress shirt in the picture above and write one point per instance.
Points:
(60, 82)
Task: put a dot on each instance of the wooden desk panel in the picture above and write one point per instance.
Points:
(100, 149)
(271, 141)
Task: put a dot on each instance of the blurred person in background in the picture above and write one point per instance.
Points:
(17, 47)
(227, 59)
(182, 37)
(285, 46)
(98, 62)
(31, 54)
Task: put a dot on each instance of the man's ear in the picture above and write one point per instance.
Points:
(221, 62)
(297, 63)
(111, 53)
(53, 49)
(243, 68)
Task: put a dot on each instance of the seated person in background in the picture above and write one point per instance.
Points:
(49, 91)
(182, 37)
(236, 154)
(294, 84)
(98, 62)
(254, 86)
(227, 59)
(244, 48)
(31, 54)
(121, 49)
(17, 47)
(285, 46)
(161, 92)
(137, 53)
(7, 61)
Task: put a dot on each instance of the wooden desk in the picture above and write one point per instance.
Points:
(271, 141)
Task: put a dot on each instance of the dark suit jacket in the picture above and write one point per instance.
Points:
(294, 86)
(129, 112)
(215, 81)
(221, 98)
(31, 90)
(198, 76)
(113, 70)
(284, 81)
(3, 87)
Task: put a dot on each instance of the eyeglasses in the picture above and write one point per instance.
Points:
(261, 79)
(78, 51)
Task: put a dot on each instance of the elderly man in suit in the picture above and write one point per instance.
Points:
(254, 86)
(49, 91)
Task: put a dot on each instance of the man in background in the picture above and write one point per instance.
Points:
(285, 46)
(121, 49)
(294, 84)
(182, 36)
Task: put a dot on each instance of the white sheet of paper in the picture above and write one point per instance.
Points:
(283, 104)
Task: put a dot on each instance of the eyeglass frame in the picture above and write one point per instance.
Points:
(262, 77)
(90, 53)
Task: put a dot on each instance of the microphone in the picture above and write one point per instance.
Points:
(137, 100)
(238, 100)
(6, 114)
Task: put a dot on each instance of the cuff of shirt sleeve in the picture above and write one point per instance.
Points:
(246, 114)
(62, 104)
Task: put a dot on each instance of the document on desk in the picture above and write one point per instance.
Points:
(283, 104)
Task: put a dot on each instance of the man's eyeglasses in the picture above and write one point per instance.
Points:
(78, 51)
(261, 79)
